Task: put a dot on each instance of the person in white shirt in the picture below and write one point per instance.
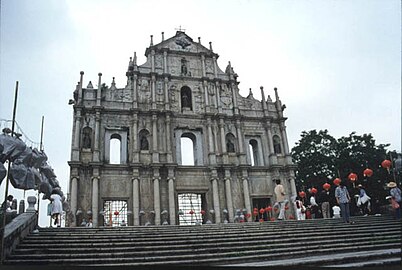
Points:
(337, 211)
(280, 198)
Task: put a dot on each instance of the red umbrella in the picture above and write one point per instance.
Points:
(386, 164)
(352, 177)
(368, 172)
(302, 194)
(326, 186)
(337, 181)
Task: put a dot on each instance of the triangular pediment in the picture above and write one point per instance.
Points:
(181, 42)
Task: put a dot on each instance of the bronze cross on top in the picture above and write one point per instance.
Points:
(180, 29)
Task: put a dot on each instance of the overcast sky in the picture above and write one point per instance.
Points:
(336, 64)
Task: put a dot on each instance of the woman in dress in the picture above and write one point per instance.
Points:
(57, 207)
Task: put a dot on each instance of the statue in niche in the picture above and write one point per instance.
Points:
(86, 140)
(183, 66)
(185, 100)
(230, 147)
(144, 145)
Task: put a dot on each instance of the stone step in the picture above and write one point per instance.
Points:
(286, 256)
(134, 243)
(345, 259)
(217, 227)
(199, 238)
(212, 244)
(71, 232)
(184, 249)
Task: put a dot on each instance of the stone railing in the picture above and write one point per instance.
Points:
(20, 227)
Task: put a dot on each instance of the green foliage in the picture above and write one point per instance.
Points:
(321, 158)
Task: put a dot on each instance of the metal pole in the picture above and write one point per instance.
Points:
(7, 179)
(40, 149)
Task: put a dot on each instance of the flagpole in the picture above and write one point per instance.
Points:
(40, 149)
(7, 178)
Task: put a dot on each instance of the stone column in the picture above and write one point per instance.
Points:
(172, 207)
(165, 62)
(136, 202)
(242, 155)
(168, 141)
(135, 90)
(272, 156)
(211, 151)
(215, 66)
(157, 203)
(75, 155)
(95, 200)
(216, 200)
(205, 88)
(153, 94)
(222, 131)
(204, 74)
(153, 61)
(218, 97)
(155, 154)
(234, 98)
(167, 103)
(96, 153)
(73, 198)
(285, 144)
(134, 143)
(99, 92)
(246, 192)
(79, 100)
(229, 201)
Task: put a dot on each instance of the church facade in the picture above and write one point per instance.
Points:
(177, 144)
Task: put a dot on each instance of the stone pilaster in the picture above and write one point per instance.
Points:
(95, 200)
(73, 198)
(172, 207)
(229, 201)
(157, 202)
(246, 193)
(136, 201)
(215, 192)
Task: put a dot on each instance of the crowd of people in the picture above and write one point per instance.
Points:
(337, 203)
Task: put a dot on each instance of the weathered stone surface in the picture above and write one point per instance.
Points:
(180, 92)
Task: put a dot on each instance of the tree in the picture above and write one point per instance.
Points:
(321, 158)
(315, 156)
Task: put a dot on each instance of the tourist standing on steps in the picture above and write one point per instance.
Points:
(57, 207)
(300, 209)
(324, 199)
(364, 201)
(280, 198)
(337, 211)
(313, 204)
(343, 199)
(395, 193)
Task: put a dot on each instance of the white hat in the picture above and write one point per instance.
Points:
(391, 184)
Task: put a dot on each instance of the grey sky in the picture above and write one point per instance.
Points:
(337, 64)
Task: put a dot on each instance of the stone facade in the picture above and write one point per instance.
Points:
(239, 143)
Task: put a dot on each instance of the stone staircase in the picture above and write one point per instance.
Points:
(371, 241)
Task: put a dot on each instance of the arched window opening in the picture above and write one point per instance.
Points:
(277, 144)
(187, 149)
(143, 139)
(253, 148)
(186, 98)
(115, 149)
(230, 143)
(87, 138)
